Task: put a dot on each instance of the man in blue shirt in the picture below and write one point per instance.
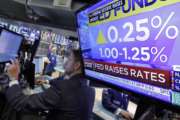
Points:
(51, 61)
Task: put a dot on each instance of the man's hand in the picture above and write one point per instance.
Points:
(13, 70)
(126, 115)
(41, 82)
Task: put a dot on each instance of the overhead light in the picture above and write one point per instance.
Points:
(62, 3)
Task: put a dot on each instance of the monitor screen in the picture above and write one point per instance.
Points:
(134, 46)
(10, 43)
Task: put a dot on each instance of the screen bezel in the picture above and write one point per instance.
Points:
(149, 99)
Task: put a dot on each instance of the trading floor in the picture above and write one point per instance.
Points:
(89, 60)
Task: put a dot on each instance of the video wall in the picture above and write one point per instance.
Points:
(47, 36)
(134, 46)
(27, 30)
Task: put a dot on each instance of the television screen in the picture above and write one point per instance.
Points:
(134, 46)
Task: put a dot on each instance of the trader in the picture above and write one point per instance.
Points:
(51, 61)
(66, 99)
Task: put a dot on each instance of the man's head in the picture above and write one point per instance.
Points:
(54, 49)
(72, 62)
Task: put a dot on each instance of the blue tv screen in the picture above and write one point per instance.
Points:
(134, 46)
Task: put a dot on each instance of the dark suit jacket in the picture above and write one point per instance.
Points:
(65, 99)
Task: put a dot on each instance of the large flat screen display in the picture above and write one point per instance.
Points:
(135, 46)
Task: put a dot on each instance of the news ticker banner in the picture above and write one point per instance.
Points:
(148, 33)
(148, 90)
(147, 81)
(160, 78)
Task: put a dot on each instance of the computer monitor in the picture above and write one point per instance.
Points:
(10, 44)
(133, 46)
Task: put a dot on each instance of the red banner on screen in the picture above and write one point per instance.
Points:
(151, 76)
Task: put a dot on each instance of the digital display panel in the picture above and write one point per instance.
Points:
(29, 33)
(6, 40)
(134, 46)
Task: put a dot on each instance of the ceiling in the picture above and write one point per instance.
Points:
(45, 12)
